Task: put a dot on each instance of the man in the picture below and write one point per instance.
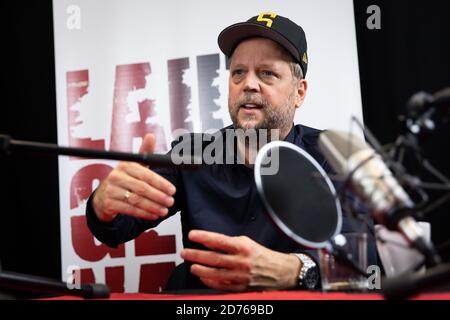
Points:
(229, 243)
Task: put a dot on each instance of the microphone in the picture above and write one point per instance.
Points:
(372, 180)
(423, 100)
(421, 108)
(17, 281)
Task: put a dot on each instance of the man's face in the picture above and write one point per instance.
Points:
(263, 93)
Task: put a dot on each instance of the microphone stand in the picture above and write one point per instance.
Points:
(417, 122)
(406, 214)
(27, 283)
(8, 145)
(396, 287)
(410, 284)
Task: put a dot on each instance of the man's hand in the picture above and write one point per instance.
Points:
(135, 190)
(240, 264)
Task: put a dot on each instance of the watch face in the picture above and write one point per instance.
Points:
(311, 278)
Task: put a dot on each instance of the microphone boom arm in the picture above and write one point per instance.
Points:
(158, 160)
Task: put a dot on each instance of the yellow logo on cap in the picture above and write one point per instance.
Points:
(268, 21)
(305, 58)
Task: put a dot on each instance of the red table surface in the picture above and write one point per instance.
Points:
(270, 295)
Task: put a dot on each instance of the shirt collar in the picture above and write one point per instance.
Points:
(291, 135)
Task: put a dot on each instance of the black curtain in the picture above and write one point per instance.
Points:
(29, 212)
(410, 53)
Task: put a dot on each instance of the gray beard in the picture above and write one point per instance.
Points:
(274, 117)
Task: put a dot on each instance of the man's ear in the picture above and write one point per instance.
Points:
(302, 88)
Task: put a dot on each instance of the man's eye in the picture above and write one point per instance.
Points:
(237, 72)
(267, 73)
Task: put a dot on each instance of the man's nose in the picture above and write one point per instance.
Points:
(251, 82)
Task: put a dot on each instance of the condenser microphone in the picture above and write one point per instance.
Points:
(423, 100)
(371, 179)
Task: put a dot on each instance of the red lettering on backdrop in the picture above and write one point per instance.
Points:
(81, 184)
(153, 277)
(114, 278)
(149, 243)
(130, 78)
(84, 245)
(77, 88)
(180, 95)
(82, 239)
(87, 276)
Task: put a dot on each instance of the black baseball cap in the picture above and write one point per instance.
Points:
(267, 25)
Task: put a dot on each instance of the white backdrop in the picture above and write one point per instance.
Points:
(126, 67)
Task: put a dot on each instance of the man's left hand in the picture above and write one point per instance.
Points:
(240, 264)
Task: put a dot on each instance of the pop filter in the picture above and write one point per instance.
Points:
(297, 194)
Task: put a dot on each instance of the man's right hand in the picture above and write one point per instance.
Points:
(133, 189)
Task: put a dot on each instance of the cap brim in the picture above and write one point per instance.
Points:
(230, 37)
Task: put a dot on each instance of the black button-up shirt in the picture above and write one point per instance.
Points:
(219, 197)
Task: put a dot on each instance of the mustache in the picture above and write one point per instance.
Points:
(249, 99)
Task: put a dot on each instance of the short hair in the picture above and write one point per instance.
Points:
(296, 69)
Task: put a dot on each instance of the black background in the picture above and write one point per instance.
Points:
(410, 53)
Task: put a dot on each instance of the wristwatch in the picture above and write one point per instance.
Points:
(309, 272)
